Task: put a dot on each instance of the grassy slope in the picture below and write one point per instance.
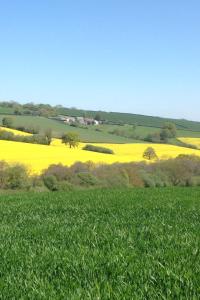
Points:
(109, 244)
(143, 131)
(126, 118)
(6, 110)
(87, 135)
(91, 135)
(148, 121)
(149, 125)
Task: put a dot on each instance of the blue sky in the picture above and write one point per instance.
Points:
(132, 56)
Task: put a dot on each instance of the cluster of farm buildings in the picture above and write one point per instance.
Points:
(80, 120)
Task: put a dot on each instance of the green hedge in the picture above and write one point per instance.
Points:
(98, 149)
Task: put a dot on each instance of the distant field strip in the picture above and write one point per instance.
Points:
(14, 131)
(39, 157)
(191, 141)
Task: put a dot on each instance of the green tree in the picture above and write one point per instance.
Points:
(17, 110)
(171, 127)
(7, 122)
(150, 154)
(165, 134)
(48, 135)
(97, 117)
(71, 139)
(44, 112)
(17, 177)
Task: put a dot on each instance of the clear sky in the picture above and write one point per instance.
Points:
(139, 56)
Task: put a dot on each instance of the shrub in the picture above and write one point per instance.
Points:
(33, 139)
(147, 179)
(51, 182)
(98, 149)
(65, 186)
(3, 176)
(17, 177)
(7, 122)
(80, 167)
(112, 175)
(132, 171)
(153, 138)
(87, 179)
(59, 171)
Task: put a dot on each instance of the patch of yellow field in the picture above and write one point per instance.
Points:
(191, 141)
(14, 131)
(39, 157)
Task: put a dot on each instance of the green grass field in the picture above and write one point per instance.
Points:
(127, 118)
(58, 128)
(143, 131)
(6, 110)
(101, 244)
(145, 124)
(91, 134)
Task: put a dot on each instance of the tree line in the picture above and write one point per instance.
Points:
(181, 171)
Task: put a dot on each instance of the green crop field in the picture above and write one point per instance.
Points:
(101, 244)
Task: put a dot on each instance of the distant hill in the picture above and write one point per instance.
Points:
(43, 116)
(46, 110)
(127, 118)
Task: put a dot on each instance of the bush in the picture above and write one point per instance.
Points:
(32, 139)
(65, 186)
(7, 122)
(87, 179)
(112, 175)
(80, 167)
(132, 171)
(153, 138)
(97, 149)
(17, 177)
(147, 179)
(59, 171)
(181, 171)
(51, 183)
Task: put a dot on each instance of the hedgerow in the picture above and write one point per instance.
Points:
(98, 149)
(181, 171)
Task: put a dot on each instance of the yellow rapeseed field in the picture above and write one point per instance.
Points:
(16, 132)
(39, 157)
(191, 141)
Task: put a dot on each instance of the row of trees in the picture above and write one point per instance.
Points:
(44, 110)
(43, 139)
(182, 171)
